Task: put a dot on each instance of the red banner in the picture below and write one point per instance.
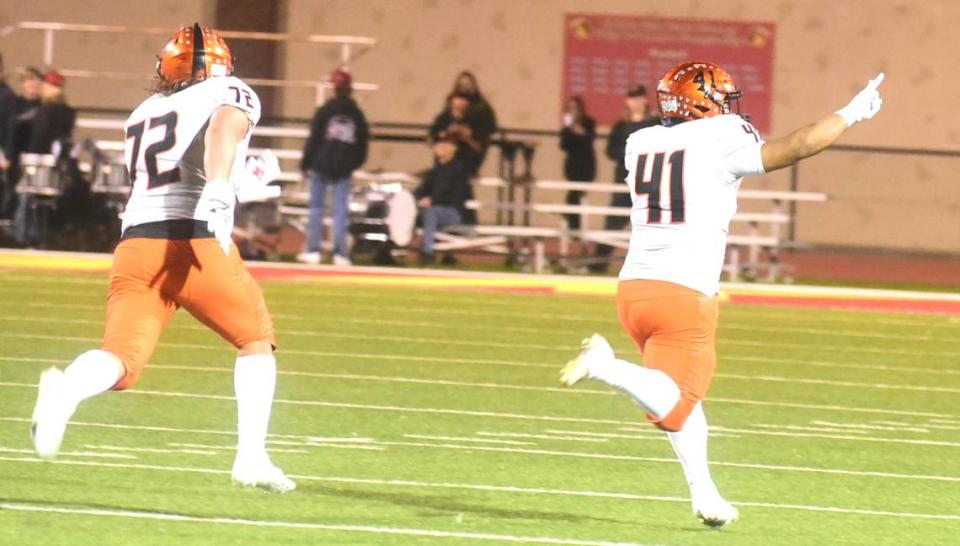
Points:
(606, 54)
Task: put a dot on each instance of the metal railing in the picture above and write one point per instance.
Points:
(351, 47)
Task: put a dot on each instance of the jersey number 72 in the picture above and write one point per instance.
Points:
(155, 178)
(652, 188)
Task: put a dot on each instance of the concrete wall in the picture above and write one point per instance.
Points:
(825, 51)
(105, 52)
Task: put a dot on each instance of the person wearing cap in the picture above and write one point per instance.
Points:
(55, 120)
(637, 115)
(337, 145)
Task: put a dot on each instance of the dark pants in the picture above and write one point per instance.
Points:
(615, 223)
(573, 198)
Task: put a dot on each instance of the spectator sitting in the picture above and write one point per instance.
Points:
(337, 145)
(452, 125)
(442, 197)
(17, 134)
(637, 116)
(480, 115)
(576, 139)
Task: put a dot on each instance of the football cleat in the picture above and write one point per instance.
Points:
(261, 473)
(715, 512)
(592, 349)
(50, 414)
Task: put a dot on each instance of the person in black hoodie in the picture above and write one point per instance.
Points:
(442, 196)
(337, 145)
(576, 139)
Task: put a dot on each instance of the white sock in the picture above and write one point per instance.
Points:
(254, 379)
(690, 444)
(92, 373)
(652, 389)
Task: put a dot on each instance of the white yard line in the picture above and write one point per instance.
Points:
(467, 439)
(541, 436)
(672, 461)
(564, 390)
(149, 449)
(366, 529)
(71, 453)
(500, 488)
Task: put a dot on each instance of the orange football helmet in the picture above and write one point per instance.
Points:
(697, 90)
(193, 54)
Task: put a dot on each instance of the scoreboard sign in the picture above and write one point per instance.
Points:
(606, 54)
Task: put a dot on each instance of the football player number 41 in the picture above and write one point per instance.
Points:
(653, 187)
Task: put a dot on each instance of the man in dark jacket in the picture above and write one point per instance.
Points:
(637, 117)
(339, 137)
(453, 124)
(16, 135)
(442, 196)
(8, 111)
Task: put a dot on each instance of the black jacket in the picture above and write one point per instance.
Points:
(617, 142)
(339, 139)
(447, 184)
(8, 111)
(581, 161)
(52, 122)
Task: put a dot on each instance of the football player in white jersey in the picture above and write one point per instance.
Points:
(185, 148)
(684, 177)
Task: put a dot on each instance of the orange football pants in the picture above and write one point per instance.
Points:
(151, 278)
(675, 329)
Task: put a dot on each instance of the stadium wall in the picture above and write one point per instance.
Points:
(825, 50)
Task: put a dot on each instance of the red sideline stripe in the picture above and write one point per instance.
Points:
(891, 305)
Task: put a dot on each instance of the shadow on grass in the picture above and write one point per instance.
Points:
(454, 505)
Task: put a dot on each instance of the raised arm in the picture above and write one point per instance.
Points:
(816, 137)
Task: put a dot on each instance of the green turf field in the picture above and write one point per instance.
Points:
(435, 417)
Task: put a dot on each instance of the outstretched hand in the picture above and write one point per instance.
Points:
(865, 104)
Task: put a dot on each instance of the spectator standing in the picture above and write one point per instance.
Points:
(51, 132)
(637, 116)
(442, 196)
(480, 115)
(8, 111)
(17, 135)
(54, 120)
(337, 145)
(576, 140)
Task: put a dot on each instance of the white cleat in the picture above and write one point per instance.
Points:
(312, 258)
(342, 261)
(592, 349)
(50, 414)
(715, 512)
(260, 472)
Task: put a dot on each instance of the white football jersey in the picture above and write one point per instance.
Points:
(684, 181)
(165, 147)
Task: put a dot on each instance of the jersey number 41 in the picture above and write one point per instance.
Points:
(652, 187)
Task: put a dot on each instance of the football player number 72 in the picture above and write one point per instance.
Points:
(653, 187)
(155, 178)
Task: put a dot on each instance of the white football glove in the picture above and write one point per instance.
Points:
(259, 172)
(865, 105)
(216, 204)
